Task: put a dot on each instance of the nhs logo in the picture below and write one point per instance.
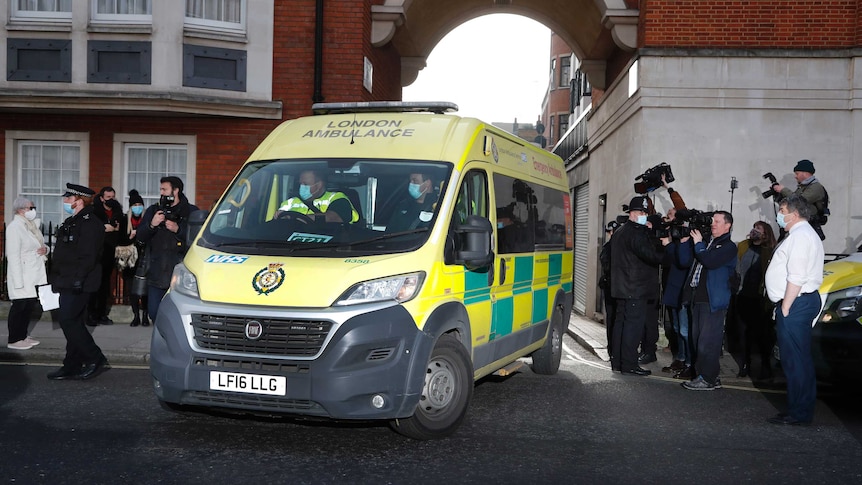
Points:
(226, 258)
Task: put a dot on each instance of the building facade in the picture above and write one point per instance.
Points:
(122, 92)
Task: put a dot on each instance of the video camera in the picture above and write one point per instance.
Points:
(773, 181)
(684, 222)
(651, 178)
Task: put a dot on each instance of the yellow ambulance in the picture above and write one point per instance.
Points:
(371, 262)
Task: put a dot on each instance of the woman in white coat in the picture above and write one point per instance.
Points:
(25, 253)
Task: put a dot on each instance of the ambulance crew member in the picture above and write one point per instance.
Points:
(315, 201)
(417, 209)
(76, 274)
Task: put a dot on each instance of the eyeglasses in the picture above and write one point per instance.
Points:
(32, 207)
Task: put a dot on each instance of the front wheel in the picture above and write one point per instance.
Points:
(445, 395)
(546, 360)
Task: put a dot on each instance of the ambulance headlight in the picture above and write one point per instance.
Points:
(184, 282)
(843, 305)
(399, 288)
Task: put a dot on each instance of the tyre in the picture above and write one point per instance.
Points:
(446, 393)
(546, 360)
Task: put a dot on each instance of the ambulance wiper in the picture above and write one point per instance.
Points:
(384, 236)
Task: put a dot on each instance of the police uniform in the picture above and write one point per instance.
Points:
(75, 275)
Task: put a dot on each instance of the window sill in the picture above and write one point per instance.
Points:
(40, 25)
(210, 34)
(120, 28)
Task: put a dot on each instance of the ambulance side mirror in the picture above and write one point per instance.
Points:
(473, 247)
(196, 221)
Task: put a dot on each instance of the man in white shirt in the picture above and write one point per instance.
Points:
(792, 281)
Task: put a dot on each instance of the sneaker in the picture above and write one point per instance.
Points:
(698, 384)
(20, 345)
(717, 383)
(675, 366)
(686, 373)
(32, 341)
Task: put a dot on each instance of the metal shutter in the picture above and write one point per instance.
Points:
(582, 239)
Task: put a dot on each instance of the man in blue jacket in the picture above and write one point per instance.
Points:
(708, 290)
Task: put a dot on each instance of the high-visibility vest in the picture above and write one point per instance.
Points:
(322, 203)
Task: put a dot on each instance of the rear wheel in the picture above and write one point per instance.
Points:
(445, 395)
(546, 360)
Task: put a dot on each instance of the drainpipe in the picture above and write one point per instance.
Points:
(318, 53)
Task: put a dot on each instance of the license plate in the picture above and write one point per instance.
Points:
(248, 383)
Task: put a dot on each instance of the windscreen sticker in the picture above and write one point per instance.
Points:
(226, 258)
(309, 238)
(268, 279)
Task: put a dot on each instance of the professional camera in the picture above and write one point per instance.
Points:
(651, 179)
(683, 223)
(166, 205)
(772, 182)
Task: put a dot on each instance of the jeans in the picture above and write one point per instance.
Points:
(681, 329)
(794, 343)
(154, 298)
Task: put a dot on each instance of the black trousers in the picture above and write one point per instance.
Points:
(81, 349)
(632, 314)
(19, 318)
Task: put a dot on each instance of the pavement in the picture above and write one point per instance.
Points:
(125, 345)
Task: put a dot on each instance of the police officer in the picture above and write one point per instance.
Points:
(75, 274)
(634, 285)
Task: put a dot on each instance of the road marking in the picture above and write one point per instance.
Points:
(44, 364)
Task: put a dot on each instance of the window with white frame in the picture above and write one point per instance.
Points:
(42, 9)
(147, 163)
(122, 10)
(216, 14)
(44, 168)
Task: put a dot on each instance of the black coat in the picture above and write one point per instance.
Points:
(164, 249)
(635, 258)
(76, 259)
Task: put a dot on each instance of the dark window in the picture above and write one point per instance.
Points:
(528, 215)
(564, 124)
(119, 62)
(565, 70)
(39, 60)
(214, 68)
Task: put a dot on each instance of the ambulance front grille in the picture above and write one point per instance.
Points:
(282, 337)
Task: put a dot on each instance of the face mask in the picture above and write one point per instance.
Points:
(304, 192)
(780, 219)
(137, 210)
(642, 220)
(67, 208)
(30, 214)
(755, 236)
(414, 190)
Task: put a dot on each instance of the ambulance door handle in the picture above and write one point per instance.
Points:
(502, 271)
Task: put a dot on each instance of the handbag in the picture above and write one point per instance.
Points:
(139, 281)
(126, 256)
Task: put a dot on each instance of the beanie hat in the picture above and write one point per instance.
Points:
(804, 166)
(135, 198)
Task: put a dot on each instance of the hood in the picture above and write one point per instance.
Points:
(841, 274)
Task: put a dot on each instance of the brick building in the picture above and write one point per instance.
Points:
(120, 93)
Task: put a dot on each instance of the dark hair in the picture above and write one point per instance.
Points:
(106, 189)
(175, 182)
(768, 234)
(728, 217)
(797, 203)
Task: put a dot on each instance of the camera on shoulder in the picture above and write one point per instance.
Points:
(651, 178)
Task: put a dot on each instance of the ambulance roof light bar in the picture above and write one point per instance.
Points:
(438, 107)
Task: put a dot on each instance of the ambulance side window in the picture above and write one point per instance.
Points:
(472, 197)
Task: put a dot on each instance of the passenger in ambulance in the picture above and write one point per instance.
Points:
(416, 208)
(316, 203)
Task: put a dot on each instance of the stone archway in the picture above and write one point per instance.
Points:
(597, 30)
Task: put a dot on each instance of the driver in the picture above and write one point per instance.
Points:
(317, 203)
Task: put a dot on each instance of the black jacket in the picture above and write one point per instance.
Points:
(164, 249)
(76, 259)
(113, 238)
(635, 258)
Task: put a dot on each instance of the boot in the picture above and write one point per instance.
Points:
(145, 320)
(135, 321)
(743, 371)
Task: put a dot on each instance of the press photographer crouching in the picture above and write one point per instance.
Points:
(810, 189)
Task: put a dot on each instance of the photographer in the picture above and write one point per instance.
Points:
(811, 190)
(164, 229)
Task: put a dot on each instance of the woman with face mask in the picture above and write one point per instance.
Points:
(25, 251)
(752, 306)
(133, 219)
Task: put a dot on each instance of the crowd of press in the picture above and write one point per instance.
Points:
(686, 264)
